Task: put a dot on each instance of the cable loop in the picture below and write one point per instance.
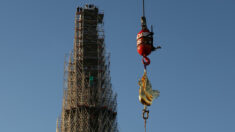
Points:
(145, 116)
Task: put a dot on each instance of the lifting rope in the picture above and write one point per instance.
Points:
(143, 9)
(146, 62)
(145, 116)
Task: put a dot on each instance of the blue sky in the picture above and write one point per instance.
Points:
(194, 71)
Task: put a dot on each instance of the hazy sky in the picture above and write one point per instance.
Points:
(195, 70)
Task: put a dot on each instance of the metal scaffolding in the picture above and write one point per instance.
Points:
(89, 104)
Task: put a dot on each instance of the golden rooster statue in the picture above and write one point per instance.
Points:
(146, 94)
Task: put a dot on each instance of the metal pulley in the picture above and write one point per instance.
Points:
(145, 39)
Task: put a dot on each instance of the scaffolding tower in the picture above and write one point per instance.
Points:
(89, 104)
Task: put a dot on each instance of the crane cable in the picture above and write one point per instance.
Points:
(146, 61)
(145, 116)
(143, 9)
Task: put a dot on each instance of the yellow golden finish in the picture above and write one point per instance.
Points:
(146, 94)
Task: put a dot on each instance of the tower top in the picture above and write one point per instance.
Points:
(87, 7)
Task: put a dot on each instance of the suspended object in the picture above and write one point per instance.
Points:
(146, 94)
(144, 48)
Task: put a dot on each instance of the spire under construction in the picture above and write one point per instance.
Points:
(89, 104)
